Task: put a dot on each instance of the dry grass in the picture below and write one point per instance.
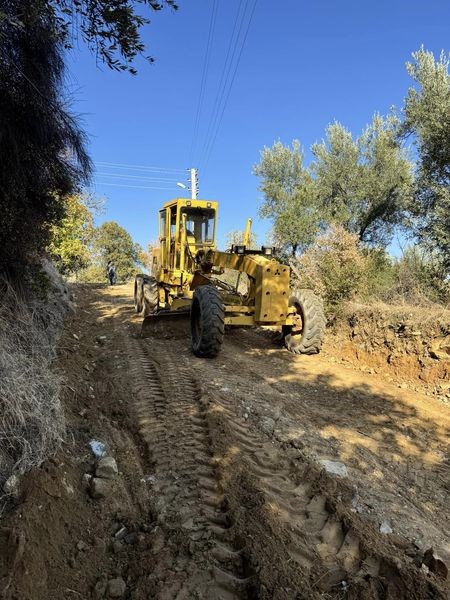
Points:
(32, 422)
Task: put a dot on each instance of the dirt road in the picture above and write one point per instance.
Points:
(259, 474)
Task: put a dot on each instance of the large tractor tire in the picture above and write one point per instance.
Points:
(207, 321)
(139, 293)
(150, 295)
(307, 335)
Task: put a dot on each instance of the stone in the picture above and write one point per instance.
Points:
(100, 488)
(106, 468)
(100, 588)
(298, 443)
(267, 425)
(116, 587)
(435, 563)
(131, 538)
(11, 486)
(98, 448)
(335, 467)
(117, 546)
(86, 481)
(385, 528)
(82, 546)
(120, 533)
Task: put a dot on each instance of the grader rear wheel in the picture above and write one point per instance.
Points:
(139, 293)
(306, 336)
(207, 321)
(150, 295)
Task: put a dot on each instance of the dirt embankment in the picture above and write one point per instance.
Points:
(259, 474)
(408, 345)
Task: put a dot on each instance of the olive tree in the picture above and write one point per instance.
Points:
(427, 119)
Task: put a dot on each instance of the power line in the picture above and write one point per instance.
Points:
(142, 187)
(206, 60)
(225, 70)
(138, 167)
(231, 86)
(140, 177)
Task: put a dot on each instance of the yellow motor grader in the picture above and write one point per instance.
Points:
(186, 280)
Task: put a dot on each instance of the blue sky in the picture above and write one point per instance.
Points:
(304, 65)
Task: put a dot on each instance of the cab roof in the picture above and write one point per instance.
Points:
(193, 203)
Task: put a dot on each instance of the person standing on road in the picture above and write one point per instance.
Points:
(111, 272)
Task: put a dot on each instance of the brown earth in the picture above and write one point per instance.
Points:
(226, 485)
(407, 345)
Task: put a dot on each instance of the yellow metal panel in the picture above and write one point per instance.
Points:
(181, 303)
(272, 293)
(239, 320)
(271, 281)
(239, 308)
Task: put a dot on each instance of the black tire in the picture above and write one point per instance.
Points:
(207, 321)
(139, 293)
(307, 338)
(151, 295)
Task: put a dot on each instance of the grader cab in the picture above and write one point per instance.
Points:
(191, 278)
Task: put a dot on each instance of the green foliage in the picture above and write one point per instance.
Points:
(71, 237)
(380, 273)
(334, 267)
(419, 278)
(42, 149)
(365, 184)
(290, 197)
(113, 243)
(111, 28)
(92, 274)
(427, 110)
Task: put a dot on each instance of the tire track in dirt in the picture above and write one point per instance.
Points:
(189, 503)
(292, 522)
(309, 536)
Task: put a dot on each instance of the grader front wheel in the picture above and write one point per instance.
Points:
(207, 321)
(306, 336)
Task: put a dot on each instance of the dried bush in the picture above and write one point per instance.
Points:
(92, 274)
(334, 267)
(420, 279)
(32, 424)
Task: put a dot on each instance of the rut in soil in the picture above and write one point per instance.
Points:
(189, 502)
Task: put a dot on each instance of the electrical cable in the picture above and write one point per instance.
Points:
(201, 97)
(142, 187)
(138, 167)
(141, 178)
(230, 87)
(225, 72)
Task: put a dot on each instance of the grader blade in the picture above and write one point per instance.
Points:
(167, 325)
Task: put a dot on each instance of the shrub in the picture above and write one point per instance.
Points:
(419, 278)
(32, 424)
(92, 274)
(334, 267)
(380, 274)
